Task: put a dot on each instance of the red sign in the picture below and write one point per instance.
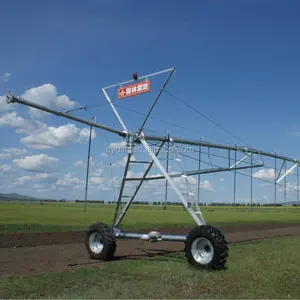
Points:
(134, 89)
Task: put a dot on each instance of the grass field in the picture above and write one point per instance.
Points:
(16, 217)
(265, 269)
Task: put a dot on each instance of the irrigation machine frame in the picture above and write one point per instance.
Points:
(205, 245)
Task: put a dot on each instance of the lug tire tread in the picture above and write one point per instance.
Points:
(216, 237)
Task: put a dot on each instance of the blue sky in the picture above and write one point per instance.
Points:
(237, 62)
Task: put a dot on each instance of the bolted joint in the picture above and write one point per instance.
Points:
(154, 236)
(130, 144)
(9, 98)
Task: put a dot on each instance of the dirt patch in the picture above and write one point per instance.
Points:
(11, 240)
(69, 237)
(66, 251)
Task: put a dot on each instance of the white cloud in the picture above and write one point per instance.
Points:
(5, 155)
(290, 187)
(206, 185)
(131, 174)
(181, 180)
(92, 163)
(39, 163)
(55, 137)
(103, 154)
(4, 106)
(41, 177)
(116, 145)
(14, 120)
(6, 76)
(123, 161)
(68, 181)
(84, 135)
(40, 136)
(5, 168)
(96, 180)
(264, 174)
(46, 95)
(78, 164)
(15, 151)
(23, 179)
(98, 172)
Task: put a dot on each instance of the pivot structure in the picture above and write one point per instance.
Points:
(205, 245)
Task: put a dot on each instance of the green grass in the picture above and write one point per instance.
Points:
(265, 269)
(16, 217)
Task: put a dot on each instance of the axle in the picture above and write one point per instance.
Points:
(152, 236)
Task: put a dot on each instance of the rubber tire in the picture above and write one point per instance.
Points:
(109, 243)
(218, 242)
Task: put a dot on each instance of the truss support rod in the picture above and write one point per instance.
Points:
(240, 160)
(154, 103)
(199, 221)
(12, 99)
(234, 183)
(114, 110)
(297, 184)
(167, 169)
(251, 185)
(122, 187)
(191, 173)
(287, 173)
(285, 186)
(275, 183)
(88, 167)
(199, 166)
(142, 77)
(126, 207)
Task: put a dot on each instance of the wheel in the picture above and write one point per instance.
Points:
(206, 248)
(100, 241)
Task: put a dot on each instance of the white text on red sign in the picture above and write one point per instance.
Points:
(134, 89)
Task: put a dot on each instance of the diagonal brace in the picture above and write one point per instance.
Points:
(199, 221)
(241, 160)
(280, 171)
(126, 207)
(287, 173)
(114, 110)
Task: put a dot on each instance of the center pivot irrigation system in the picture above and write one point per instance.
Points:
(205, 245)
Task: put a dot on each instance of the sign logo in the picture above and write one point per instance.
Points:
(134, 89)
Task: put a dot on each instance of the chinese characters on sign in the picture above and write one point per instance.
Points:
(134, 89)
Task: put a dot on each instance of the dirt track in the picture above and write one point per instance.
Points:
(46, 252)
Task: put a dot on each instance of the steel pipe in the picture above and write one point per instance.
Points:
(12, 99)
(147, 237)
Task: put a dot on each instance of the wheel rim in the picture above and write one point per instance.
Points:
(202, 250)
(96, 242)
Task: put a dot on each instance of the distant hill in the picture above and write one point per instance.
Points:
(16, 196)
